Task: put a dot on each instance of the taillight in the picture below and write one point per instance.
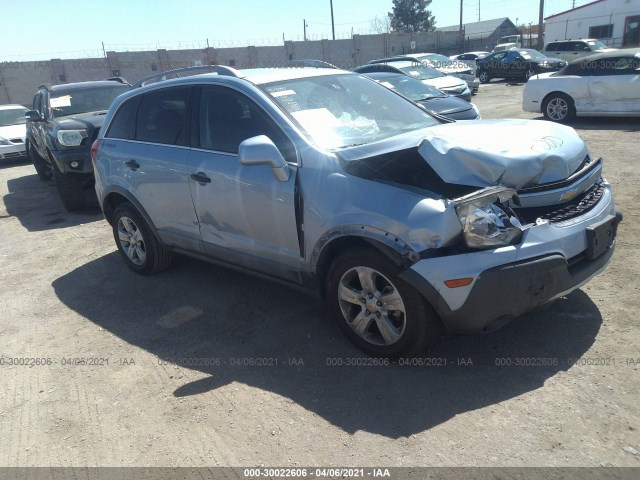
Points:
(94, 150)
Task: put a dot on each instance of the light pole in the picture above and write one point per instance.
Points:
(333, 27)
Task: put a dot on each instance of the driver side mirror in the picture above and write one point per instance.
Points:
(33, 115)
(261, 150)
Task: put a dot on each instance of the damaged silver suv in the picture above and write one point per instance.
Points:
(327, 180)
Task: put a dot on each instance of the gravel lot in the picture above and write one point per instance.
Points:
(65, 294)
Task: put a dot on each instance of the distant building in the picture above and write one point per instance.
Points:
(615, 23)
(483, 35)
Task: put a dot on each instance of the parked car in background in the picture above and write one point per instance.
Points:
(605, 84)
(442, 64)
(520, 64)
(63, 124)
(12, 132)
(569, 50)
(432, 99)
(448, 84)
(469, 57)
(326, 180)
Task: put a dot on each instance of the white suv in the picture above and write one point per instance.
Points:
(573, 49)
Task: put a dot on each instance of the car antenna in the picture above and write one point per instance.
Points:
(174, 69)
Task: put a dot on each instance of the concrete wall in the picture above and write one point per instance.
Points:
(20, 80)
(576, 23)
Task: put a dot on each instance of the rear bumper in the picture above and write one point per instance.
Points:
(508, 282)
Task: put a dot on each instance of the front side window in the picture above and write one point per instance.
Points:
(83, 100)
(162, 116)
(228, 117)
(339, 111)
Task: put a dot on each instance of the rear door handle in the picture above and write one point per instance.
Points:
(132, 164)
(200, 177)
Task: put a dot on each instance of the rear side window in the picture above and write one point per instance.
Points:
(162, 116)
(552, 47)
(124, 122)
(564, 47)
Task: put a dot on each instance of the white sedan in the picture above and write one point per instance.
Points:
(606, 84)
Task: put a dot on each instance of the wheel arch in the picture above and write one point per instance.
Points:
(115, 196)
(342, 238)
(557, 92)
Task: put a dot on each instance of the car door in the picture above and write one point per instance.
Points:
(247, 217)
(147, 150)
(495, 65)
(37, 129)
(513, 64)
(615, 85)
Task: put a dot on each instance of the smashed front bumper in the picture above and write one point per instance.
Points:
(552, 260)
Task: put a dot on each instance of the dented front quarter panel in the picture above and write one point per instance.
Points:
(337, 204)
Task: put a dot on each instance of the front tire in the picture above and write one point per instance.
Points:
(42, 167)
(528, 74)
(137, 244)
(559, 107)
(70, 188)
(484, 77)
(377, 311)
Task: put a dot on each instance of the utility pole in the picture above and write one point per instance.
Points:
(540, 25)
(461, 30)
(333, 26)
(574, 5)
(478, 10)
(304, 27)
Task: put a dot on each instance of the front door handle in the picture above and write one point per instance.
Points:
(132, 164)
(200, 177)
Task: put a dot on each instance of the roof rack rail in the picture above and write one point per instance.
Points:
(118, 79)
(219, 69)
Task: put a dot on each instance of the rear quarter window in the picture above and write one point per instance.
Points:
(124, 122)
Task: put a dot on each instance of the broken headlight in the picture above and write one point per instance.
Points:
(485, 221)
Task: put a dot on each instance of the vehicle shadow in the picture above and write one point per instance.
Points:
(195, 311)
(13, 163)
(37, 205)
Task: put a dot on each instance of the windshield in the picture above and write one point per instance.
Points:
(411, 88)
(422, 72)
(596, 44)
(338, 111)
(84, 100)
(530, 54)
(437, 60)
(12, 116)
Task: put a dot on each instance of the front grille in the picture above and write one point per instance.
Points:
(559, 213)
(15, 155)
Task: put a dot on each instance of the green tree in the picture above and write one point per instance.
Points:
(411, 16)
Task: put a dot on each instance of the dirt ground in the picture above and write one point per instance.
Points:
(202, 366)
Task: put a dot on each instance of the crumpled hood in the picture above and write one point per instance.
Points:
(13, 131)
(512, 153)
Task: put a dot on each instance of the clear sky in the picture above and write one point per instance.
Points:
(43, 29)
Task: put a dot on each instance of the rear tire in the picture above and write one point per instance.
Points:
(137, 243)
(377, 311)
(43, 169)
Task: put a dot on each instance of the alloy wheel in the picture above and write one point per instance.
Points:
(372, 306)
(557, 109)
(131, 241)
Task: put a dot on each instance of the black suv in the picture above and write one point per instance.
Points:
(63, 124)
(519, 63)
